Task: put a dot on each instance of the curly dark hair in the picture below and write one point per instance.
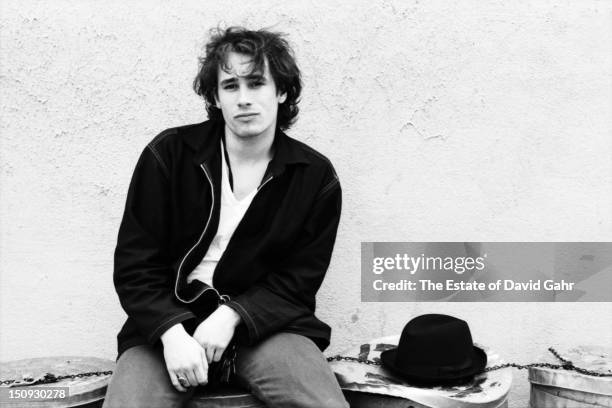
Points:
(261, 45)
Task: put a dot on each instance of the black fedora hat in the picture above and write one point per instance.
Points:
(435, 348)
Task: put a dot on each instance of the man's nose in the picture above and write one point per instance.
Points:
(244, 98)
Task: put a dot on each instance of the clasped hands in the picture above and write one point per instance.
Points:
(187, 358)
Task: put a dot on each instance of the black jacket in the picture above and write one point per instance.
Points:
(273, 265)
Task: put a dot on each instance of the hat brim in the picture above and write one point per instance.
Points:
(413, 373)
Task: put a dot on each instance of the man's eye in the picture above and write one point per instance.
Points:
(256, 84)
(229, 86)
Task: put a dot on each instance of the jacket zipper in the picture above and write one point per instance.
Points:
(212, 206)
(264, 183)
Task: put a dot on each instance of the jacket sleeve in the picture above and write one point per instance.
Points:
(289, 291)
(143, 275)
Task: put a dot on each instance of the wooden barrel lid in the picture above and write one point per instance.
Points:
(594, 358)
(81, 391)
(550, 386)
(486, 390)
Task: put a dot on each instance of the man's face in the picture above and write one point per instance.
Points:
(248, 100)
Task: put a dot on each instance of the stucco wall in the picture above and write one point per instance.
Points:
(446, 121)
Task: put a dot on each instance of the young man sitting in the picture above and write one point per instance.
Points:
(226, 237)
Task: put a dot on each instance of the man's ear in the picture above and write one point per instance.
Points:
(282, 98)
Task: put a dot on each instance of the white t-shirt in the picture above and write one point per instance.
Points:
(232, 211)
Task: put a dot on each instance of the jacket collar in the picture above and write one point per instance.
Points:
(205, 139)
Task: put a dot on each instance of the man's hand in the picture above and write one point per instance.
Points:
(215, 333)
(185, 358)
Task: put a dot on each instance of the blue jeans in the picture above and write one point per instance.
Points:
(285, 370)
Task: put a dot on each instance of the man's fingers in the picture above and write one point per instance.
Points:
(210, 354)
(175, 382)
(201, 372)
(204, 363)
(218, 354)
(190, 375)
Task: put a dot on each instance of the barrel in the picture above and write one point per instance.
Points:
(230, 397)
(372, 386)
(83, 392)
(560, 388)
(223, 397)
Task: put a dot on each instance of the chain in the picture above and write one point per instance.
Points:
(567, 365)
(356, 359)
(51, 378)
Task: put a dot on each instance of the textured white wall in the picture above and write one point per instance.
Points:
(446, 121)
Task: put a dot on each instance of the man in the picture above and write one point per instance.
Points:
(227, 234)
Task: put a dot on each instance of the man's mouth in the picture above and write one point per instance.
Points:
(245, 116)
